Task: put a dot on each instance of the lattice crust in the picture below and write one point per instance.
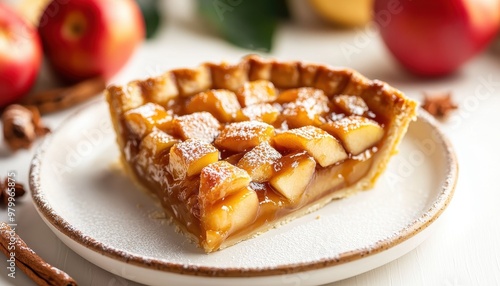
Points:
(232, 150)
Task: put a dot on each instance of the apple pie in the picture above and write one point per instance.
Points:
(232, 150)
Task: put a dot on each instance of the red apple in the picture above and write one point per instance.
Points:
(20, 56)
(435, 37)
(89, 38)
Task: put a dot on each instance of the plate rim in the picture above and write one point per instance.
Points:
(410, 230)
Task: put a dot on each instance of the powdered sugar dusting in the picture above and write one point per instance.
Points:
(259, 111)
(262, 154)
(245, 130)
(351, 104)
(193, 149)
(311, 103)
(218, 178)
(147, 110)
(308, 132)
(311, 106)
(200, 125)
(352, 122)
(220, 170)
(255, 92)
(157, 138)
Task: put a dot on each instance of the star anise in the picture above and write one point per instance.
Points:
(439, 104)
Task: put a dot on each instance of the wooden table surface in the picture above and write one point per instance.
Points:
(464, 249)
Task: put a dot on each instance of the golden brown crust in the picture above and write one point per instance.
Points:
(258, 68)
(331, 80)
(308, 73)
(192, 81)
(396, 110)
(285, 74)
(227, 76)
(160, 89)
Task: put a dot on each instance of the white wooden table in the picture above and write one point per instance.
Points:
(465, 248)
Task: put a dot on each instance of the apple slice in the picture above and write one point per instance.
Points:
(157, 141)
(254, 92)
(259, 162)
(325, 149)
(220, 179)
(301, 94)
(160, 89)
(200, 125)
(141, 120)
(350, 104)
(291, 180)
(356, 133)
(221, 103)
(189, 157)
(303, 106)
(264, 112)
(243, 136)
(235, 211)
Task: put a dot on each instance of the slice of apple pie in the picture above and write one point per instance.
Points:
(234, 150)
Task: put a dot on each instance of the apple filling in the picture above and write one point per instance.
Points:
(231, 156)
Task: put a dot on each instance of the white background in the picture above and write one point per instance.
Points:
(465, 248)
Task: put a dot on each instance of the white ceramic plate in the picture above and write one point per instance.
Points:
(99, 213)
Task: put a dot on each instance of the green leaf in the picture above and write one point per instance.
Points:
(151, 14)
(246, 23)
(282, 10)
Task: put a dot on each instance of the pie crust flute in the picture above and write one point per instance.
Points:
(233, 150)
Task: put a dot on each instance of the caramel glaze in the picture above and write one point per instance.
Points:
(180, 198)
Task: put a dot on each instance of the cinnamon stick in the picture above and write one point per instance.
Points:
(29, 262)
(57, 99)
